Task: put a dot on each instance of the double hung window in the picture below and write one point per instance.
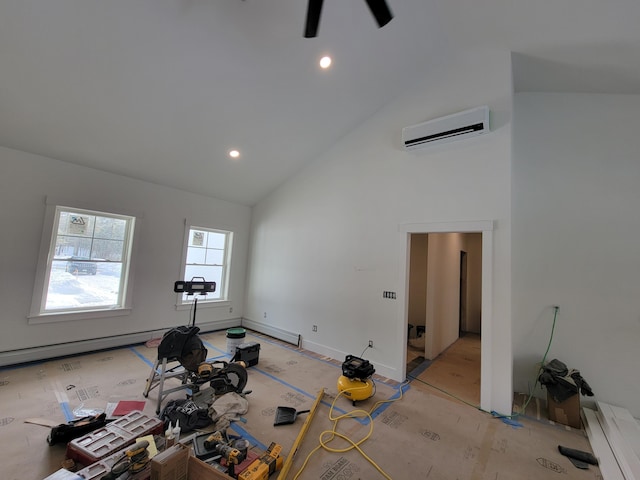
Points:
(86, 265)
(207, 255)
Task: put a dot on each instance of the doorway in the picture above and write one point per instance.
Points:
(445, 303)
(449, 265)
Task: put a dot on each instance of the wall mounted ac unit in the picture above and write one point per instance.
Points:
(457, 126)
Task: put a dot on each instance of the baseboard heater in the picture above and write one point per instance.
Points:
(275, 332)
(47, 352)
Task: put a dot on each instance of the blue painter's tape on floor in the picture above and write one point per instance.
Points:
(420, 368)
(401, 390)
(247, 436)
(213, 347)
(507, 419)
(142, 357)
(66, 410)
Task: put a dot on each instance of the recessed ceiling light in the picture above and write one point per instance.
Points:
(234, 153)
(325, 62)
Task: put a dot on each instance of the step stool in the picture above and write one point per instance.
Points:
(172, 348)
(157, 378)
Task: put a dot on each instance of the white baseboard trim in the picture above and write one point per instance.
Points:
(47, 352)
(275, 332)
(330, 352)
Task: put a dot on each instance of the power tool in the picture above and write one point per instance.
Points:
(134, 460)
(355, 381)
(262, 467)
(213, 439)
(233, 456)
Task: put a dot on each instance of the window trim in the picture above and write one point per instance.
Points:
(203, 301)
(36, 316)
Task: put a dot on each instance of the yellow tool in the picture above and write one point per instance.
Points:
(134, 460)
(233, 456)
(262, 467)
(213, 439)
(138, 456)
(205, 370)
(303, 431)
(356, 382)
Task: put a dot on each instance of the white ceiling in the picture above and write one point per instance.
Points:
(160, 90)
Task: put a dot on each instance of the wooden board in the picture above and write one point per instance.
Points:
(626, 457)
(602, 450)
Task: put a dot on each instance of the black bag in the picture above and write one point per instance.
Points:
(187, 413)
(65, 432)
(184, 344)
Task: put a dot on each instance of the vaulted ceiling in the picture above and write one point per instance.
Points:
(161, 90)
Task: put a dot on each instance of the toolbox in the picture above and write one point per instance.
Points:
(248, 353)
(115, 436)
(99, 469)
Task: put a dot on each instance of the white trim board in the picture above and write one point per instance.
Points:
(620, 445)
(488, 381)
(607, 462)
(46, 352)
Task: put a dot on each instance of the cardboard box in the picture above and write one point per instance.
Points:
(171, 464)
(199, 470)
(179, 463)
(567, 412)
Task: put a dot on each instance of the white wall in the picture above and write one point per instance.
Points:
(327, 243)
(434, 287)
(473, 247)
(26, 180)
(443, 289)
(417, 283)
(576, 231)
(443, 292)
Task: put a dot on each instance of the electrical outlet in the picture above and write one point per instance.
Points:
(314, 328)
(265, 314)
(370, 343)
(230, 309)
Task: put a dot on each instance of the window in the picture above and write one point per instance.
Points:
(87, 263)
(207, 256)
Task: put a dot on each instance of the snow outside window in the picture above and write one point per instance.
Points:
(207, 257)
(87, 265)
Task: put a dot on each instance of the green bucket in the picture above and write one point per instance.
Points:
(235, 337)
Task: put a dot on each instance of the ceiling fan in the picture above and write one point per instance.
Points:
(378, 8)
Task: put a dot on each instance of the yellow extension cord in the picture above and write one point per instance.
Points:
(328, 436)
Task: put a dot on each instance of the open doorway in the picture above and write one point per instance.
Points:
(445, 303)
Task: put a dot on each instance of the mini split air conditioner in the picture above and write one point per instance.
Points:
(457, 126)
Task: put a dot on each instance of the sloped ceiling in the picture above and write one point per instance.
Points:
(160, 90)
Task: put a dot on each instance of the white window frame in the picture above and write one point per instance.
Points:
(222, 290)
(37, 314)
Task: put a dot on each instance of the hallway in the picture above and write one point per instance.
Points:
(455, 373)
